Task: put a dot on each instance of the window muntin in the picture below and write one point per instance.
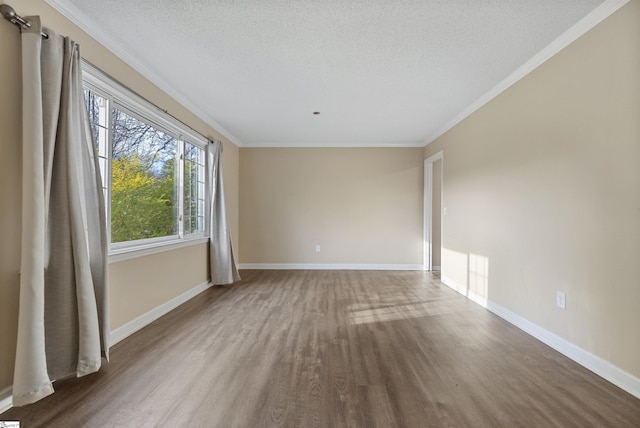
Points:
(98, 108)
(194, 186)
(149, 163)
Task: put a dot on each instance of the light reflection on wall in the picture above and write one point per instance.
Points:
(478, 286)
(467, 273)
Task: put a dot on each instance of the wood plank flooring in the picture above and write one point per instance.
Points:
(333, 349)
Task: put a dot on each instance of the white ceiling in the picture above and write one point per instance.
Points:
(380, 72)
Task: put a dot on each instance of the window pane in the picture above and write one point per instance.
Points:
(193, 189)
(97, 109)
(143, 180)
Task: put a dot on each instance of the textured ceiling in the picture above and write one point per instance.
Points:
(380, 72)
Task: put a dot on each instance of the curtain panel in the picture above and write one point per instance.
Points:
(221, 259)
(63, 325)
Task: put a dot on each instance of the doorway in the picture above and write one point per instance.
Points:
(433, 185)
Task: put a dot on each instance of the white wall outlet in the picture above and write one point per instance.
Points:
(561, 300)
(317, 248)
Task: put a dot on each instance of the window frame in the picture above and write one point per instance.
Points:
(127, 101)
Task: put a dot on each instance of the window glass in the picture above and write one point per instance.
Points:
(98, 108)
(143, 180)
(194, 185)
(153, 169)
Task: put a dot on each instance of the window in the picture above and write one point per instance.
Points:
(143, 180)
(194, 185)
(152, 167)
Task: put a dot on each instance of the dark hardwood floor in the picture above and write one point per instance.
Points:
(333, 349)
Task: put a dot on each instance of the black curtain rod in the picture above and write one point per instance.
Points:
(10, 15)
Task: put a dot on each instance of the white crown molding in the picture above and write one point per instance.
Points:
(328, 266)
(337, 144)
(596, 16)
(90, 27)
(597, 365)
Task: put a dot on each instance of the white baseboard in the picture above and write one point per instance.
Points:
(127, 329)
(435, 268)
(481, 300)
(599, 366)
(6, 399)
(143, 320)
(327, 266)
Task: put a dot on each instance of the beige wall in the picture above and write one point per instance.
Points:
(136, 285)
(361, 205)
(144, 283)
(542, 191)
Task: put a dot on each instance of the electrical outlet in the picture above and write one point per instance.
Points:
(317, 248)
(561, 300)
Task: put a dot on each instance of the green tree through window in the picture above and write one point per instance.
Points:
(152, 175)
(143, 180)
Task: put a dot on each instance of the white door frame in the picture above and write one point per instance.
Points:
(427, 260)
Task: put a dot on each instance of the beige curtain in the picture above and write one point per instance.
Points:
(222, 262)
(63, 320)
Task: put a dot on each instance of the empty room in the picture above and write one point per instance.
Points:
(320, 213)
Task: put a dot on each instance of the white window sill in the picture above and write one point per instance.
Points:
(120, 254)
